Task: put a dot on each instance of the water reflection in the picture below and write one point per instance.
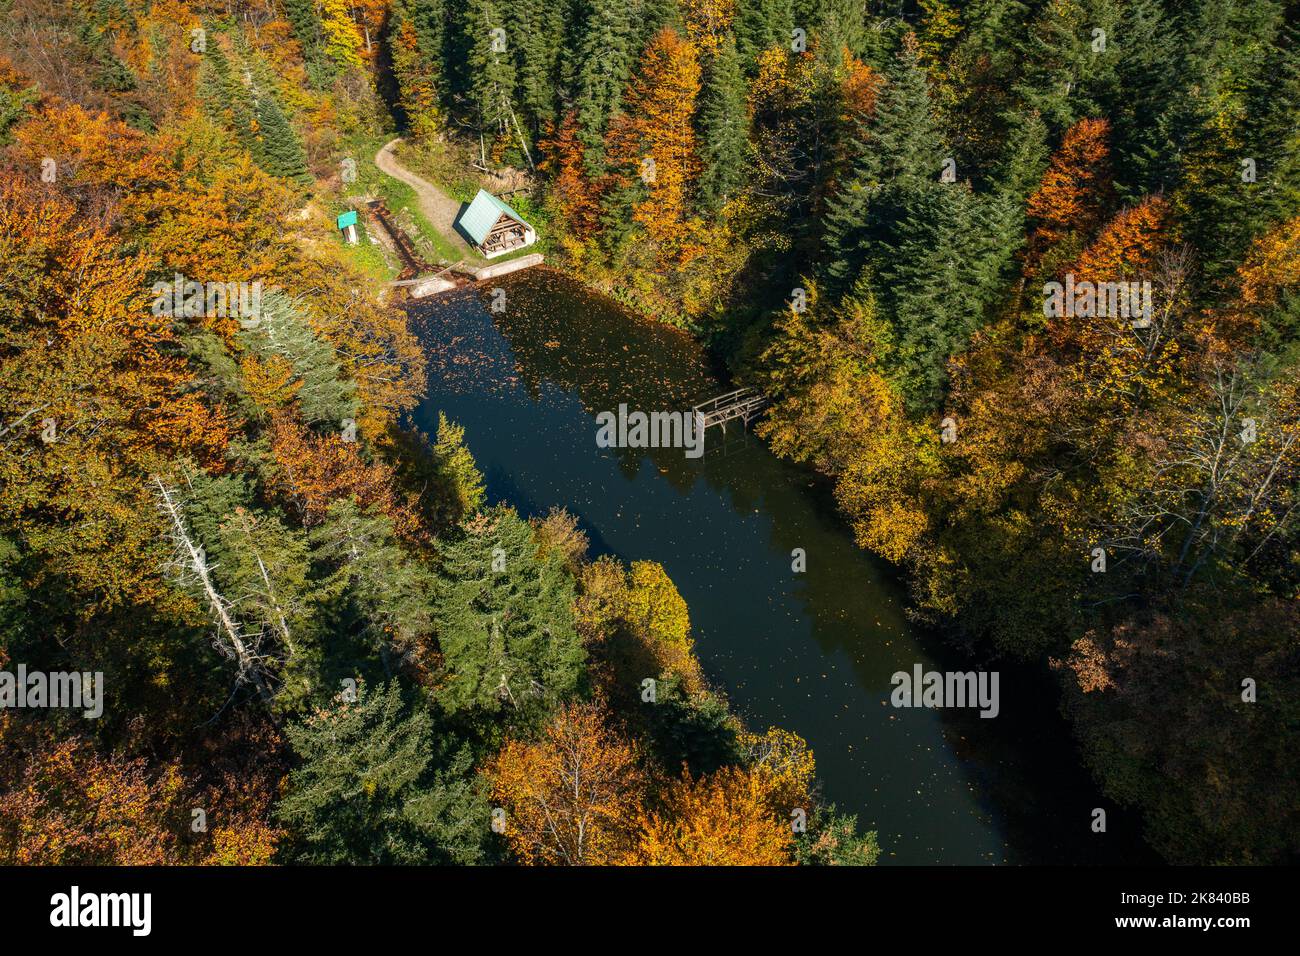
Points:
(810, 651)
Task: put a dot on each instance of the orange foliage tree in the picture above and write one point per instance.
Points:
(313, 471)
(1116, 358)
(577, 197)
(92, 396)
(655, 139)
(64, 804)
(1076, 189)
(721, 820)
(570, 796)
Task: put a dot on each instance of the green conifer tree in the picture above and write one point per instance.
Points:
(898, 153)
(376, 785)
(724, 125)
(505, 625)
(604, 62)
(462, 481)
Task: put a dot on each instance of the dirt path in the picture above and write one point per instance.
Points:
(438, 208)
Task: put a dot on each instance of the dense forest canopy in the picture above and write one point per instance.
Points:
(1020, 279)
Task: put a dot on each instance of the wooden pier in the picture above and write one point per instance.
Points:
(744, 403)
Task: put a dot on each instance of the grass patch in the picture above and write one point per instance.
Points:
(445, 164)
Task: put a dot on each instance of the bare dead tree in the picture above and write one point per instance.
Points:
(1224, 477)
(190, 565)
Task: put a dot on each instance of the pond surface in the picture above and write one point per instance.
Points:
(812, 652)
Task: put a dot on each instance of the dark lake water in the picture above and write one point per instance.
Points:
(812, 652)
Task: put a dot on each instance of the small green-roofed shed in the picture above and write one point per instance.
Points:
(493, 226)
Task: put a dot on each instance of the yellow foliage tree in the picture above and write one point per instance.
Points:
(656, 139)
(722, 820)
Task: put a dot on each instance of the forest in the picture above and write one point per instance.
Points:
(322, 643)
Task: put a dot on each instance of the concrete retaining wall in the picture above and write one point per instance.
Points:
(505, 268)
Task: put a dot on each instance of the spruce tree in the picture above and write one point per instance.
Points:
(536, 33)
(928, 288)
(227, 98)
(375, 784)
(310, 34)
(653, 16)
(490, 67)
(374, 588)
(604, 62)
(324, 394)
(760, 25)
(1271, 134)
(724, 127)
(1069, 59)
(1251, 116)
(898, 152)
(505, 625)
(462, 483)
(281, 152)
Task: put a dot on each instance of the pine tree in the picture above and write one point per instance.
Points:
(724, 125)
(1068, 68)
(932, 294)
(1143, 108)
(839, 25)
(1219, 210)
(370, 577)
(760, 25)
(376, 785)
(653, 16)
(604, 60)
(1271, 135)
(505, 626)
(899, 153)
(227, 98)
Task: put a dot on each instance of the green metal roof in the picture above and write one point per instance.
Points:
(482, 215)
(348, 218)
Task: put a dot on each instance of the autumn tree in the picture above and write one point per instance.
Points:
(1074, 195)
(656, 138)
(416, 35)
(312, 471)
(94, 399)
(568, 797)
(720, 820)
(573, 190)
(64, 804)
